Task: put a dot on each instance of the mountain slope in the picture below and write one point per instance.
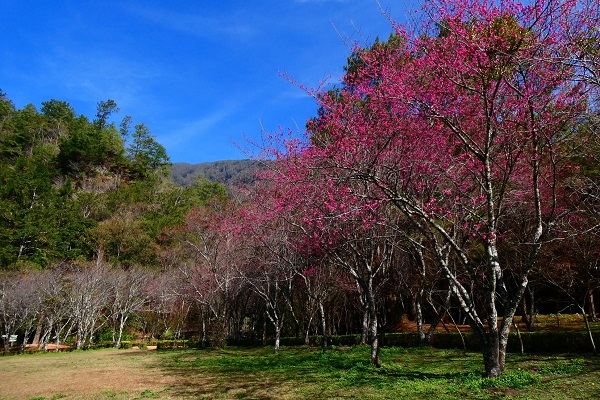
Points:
(231, 173)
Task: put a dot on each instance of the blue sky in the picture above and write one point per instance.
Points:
(202, 75)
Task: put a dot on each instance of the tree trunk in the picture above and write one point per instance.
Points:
(490, 346)
(418, 303)
(589, 331)
(38, 332)
(365, 326)
(46, 334)
(592, 306)
(24, 343)
(529, 308)
(439, 316)
(462, 338)
(307, 331)
(43, 339)
(223, 331)
(122, 322)
(264, 331)
(277, 337)
(26, 334)
(419, 315)
(323, 326)
(511, 304)
(519, 336)
(203, 338)
(373, 325)
(374, 344)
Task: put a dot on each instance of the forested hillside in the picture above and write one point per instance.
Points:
(231, 173)
(73, 188)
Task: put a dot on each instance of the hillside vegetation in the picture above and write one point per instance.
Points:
(73, 188)
(231, 173)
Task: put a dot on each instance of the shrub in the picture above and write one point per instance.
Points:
(533, 342)
(553, 342)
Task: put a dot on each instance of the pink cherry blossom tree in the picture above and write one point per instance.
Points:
(328, 224)
(268, 259)
(454, 125)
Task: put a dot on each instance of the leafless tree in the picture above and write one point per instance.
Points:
(19, 306)
(56, 321)
(88, 300)
(127, 297)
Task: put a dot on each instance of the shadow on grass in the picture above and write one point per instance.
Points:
(295, 372)
(299, 372)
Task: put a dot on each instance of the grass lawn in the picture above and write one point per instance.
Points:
(295, 373)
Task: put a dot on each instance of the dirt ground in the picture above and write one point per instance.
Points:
(77, 375)
(570, 322)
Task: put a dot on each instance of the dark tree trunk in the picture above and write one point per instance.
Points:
(593, 317)
(529, 308)
(264, 331)
(490, 348)
(589, 330)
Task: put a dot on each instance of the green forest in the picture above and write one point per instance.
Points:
(73, 188)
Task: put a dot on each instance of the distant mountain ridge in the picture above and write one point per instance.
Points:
(231, 173)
